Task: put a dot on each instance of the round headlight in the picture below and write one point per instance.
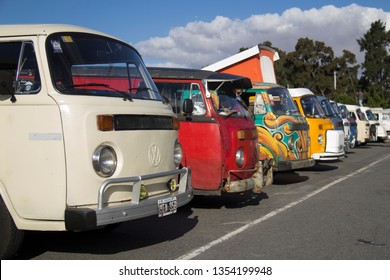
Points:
(320, 139)
(104, 161)
(240, 158)
(177, 154)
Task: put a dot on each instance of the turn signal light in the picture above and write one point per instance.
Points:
(176, 124)
(105, 122)
(246, 134)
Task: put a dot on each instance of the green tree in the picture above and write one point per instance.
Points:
(375, 79)
(312, 66)
(345, 99)
(346, 75)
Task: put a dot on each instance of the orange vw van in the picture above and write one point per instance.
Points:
(326, 142)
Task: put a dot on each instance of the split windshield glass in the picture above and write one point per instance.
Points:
(225, 99)
(84, 64)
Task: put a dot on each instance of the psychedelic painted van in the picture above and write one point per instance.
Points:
(218, 135)
(283, 131)
(326, 142)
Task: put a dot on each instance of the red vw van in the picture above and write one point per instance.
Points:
(218, 136)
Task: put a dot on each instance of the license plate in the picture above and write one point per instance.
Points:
(167, 206)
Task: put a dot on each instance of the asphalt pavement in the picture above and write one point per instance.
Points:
(332, 211)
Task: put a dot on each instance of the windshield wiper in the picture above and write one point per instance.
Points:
(228, 113)
(125, 95)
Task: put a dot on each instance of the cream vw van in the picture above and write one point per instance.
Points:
(377, 131)
(86, 140)
(383, 116)
(363, 126)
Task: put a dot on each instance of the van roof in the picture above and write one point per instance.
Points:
(7, 30)
(352, 107)
(298, 92)
(197, 74)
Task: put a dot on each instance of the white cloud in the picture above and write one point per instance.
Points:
(201, 43)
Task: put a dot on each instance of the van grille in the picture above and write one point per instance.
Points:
(296, 126)
(142, 122)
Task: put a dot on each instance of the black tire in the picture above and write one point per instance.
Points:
(11, 237)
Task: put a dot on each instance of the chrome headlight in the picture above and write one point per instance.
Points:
(104, 161)
(240, 158)
(177, 153)
(320, 140)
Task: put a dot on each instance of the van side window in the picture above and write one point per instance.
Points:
(176, 93)
(18, 69)
(197, 98)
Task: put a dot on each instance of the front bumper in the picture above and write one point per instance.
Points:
(90, 218)
(294, 164)
(328, 156)
(261, 178)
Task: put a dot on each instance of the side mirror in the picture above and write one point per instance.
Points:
(188, 107)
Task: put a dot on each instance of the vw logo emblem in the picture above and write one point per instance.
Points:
(154, 155)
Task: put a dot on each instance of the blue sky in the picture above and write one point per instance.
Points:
(197, 33)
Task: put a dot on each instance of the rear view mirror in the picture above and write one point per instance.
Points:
(188, 106)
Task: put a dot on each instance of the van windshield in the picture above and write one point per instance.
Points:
(344, 111)
(328, 108)
(225, 100)
(336, 109)
(361, 115)
(84, 64)
(281, 101)
(370, 115)
(386, 116)
(311, 107)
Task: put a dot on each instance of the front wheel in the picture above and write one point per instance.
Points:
(11, 237)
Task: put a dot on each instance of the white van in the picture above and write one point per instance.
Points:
(86, 140)
(383, 116)
(363, 126)
(377, 131)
